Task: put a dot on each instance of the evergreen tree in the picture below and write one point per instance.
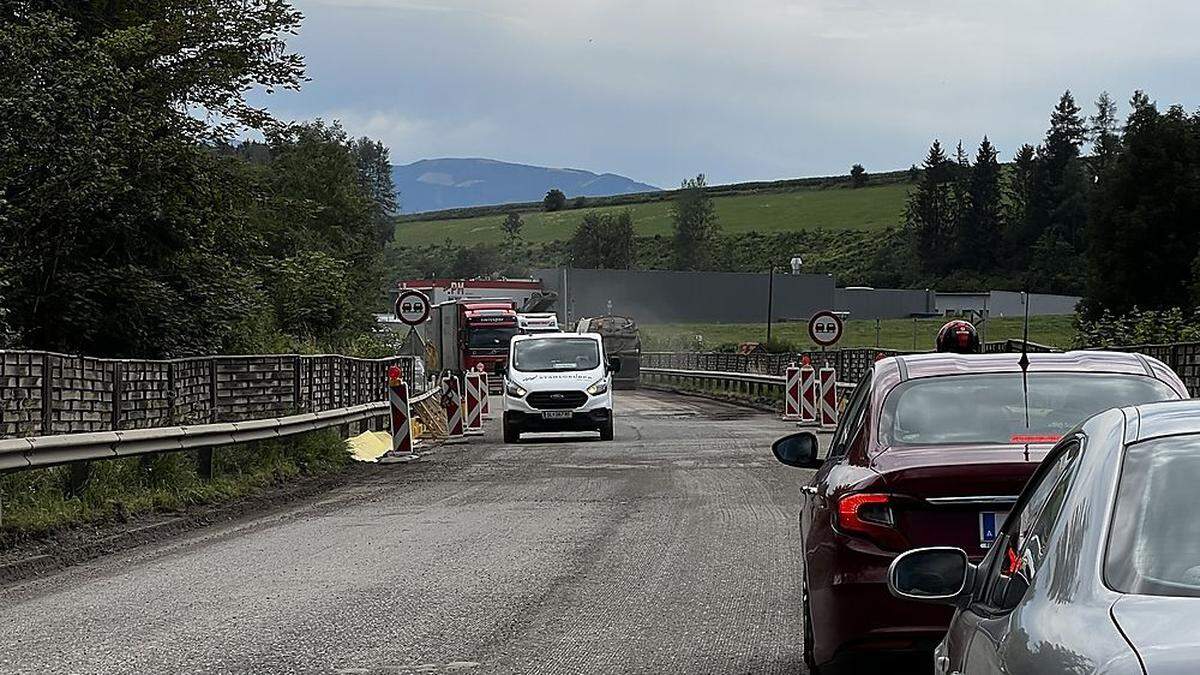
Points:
(930, 211)
(980, 239)
(1060, 184)
(695, 225)
(1104, 134)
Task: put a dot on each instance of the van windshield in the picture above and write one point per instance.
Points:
(990, 409)
(556, 354)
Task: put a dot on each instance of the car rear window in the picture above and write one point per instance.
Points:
(990, 408)
(1154, 542)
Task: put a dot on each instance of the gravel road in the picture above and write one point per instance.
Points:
(670, 550)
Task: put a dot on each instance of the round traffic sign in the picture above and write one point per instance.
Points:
(412, 307)
(825, 328)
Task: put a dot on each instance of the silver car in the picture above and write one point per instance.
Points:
(1097, 566)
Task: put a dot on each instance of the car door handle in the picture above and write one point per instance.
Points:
(809, 489)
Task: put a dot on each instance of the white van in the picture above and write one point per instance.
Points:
(558, 382)
(537, 322)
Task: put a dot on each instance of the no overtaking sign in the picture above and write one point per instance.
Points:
(825, 328)
(412, 307)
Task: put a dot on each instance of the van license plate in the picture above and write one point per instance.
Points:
(556, 415)
(990, 523)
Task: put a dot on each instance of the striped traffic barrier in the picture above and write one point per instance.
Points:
(791, 393)
(452, 401)
(829, 411)
(809, 394)
(485, 393)
(473, 410)
(402, 436)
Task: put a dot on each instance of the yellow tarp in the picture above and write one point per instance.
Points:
(370, 446)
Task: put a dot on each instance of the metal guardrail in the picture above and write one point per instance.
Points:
(748, 383)
(45, 451)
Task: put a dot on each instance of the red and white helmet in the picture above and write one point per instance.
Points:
(957, 337)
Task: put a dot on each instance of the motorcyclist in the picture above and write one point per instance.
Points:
(958, 337)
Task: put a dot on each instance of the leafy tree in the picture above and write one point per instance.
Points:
(858, 176)
(554, 200)
(512, 226)
(930, 212)
(579, 202)
(311, 295)
(603, 241)
(695, 225)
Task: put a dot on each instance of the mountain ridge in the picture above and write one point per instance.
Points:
(457, 182)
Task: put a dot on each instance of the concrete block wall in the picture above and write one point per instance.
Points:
(44, 393)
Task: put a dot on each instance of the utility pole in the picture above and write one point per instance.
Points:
(770, 300)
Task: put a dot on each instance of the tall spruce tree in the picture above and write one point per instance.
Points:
(1060, 185)
(930, 212)
(980, 238)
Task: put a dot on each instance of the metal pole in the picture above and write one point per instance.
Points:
(877, 332)
(914, 333)
(770, 300)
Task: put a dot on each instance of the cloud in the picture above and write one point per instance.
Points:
(659, 89)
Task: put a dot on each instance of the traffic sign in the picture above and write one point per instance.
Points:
(412, 307)
(825, 328)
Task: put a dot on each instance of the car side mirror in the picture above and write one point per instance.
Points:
(799, 449)
(614, 364)
(498, 368)
(938, 574)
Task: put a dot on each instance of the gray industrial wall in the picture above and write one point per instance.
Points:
(883, 303)
(661, 296)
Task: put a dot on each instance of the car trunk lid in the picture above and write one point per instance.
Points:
(955, 495)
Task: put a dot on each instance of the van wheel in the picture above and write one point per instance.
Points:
(606, 429)
(512, 433)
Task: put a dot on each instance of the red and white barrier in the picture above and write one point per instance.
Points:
(791, 393)
(452, 401)
(473, 410)
(402, 437)
(829, 411)
(809, 394)
(485, 393)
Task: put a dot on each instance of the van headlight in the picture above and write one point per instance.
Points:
(513, 389)
(598, 387)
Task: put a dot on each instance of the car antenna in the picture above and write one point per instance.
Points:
(1024, 363)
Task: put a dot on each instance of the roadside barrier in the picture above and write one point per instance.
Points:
(808, 393)
(829, 402)
(485, 394)
(401, 417)
(791, 396)
(452, 400)
(474, 406)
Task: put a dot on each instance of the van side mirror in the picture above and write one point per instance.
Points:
(938, 574)
(614, 364)
(799, 449)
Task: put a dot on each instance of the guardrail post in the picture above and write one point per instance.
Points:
(204, 456)
(204, 463)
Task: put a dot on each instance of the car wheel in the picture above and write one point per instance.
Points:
(807, 645)
(606, 429)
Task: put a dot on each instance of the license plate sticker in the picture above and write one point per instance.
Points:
(556, 415)
(990, 523)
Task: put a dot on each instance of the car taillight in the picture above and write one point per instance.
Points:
(871, 516)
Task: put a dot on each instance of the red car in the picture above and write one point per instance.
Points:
(932, 450)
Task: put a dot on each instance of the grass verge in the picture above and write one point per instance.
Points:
(39, 501)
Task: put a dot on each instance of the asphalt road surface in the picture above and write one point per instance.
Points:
(670, 550)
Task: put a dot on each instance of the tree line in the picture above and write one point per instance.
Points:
(1103, 207)
(131, 221)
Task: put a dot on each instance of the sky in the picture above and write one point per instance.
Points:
(659, 90)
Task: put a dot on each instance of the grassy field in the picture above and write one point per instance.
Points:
(1057, 331)
(866, 208)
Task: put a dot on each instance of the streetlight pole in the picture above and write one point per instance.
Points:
(770, 300)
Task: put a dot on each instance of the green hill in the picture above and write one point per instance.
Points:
(807, 204)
